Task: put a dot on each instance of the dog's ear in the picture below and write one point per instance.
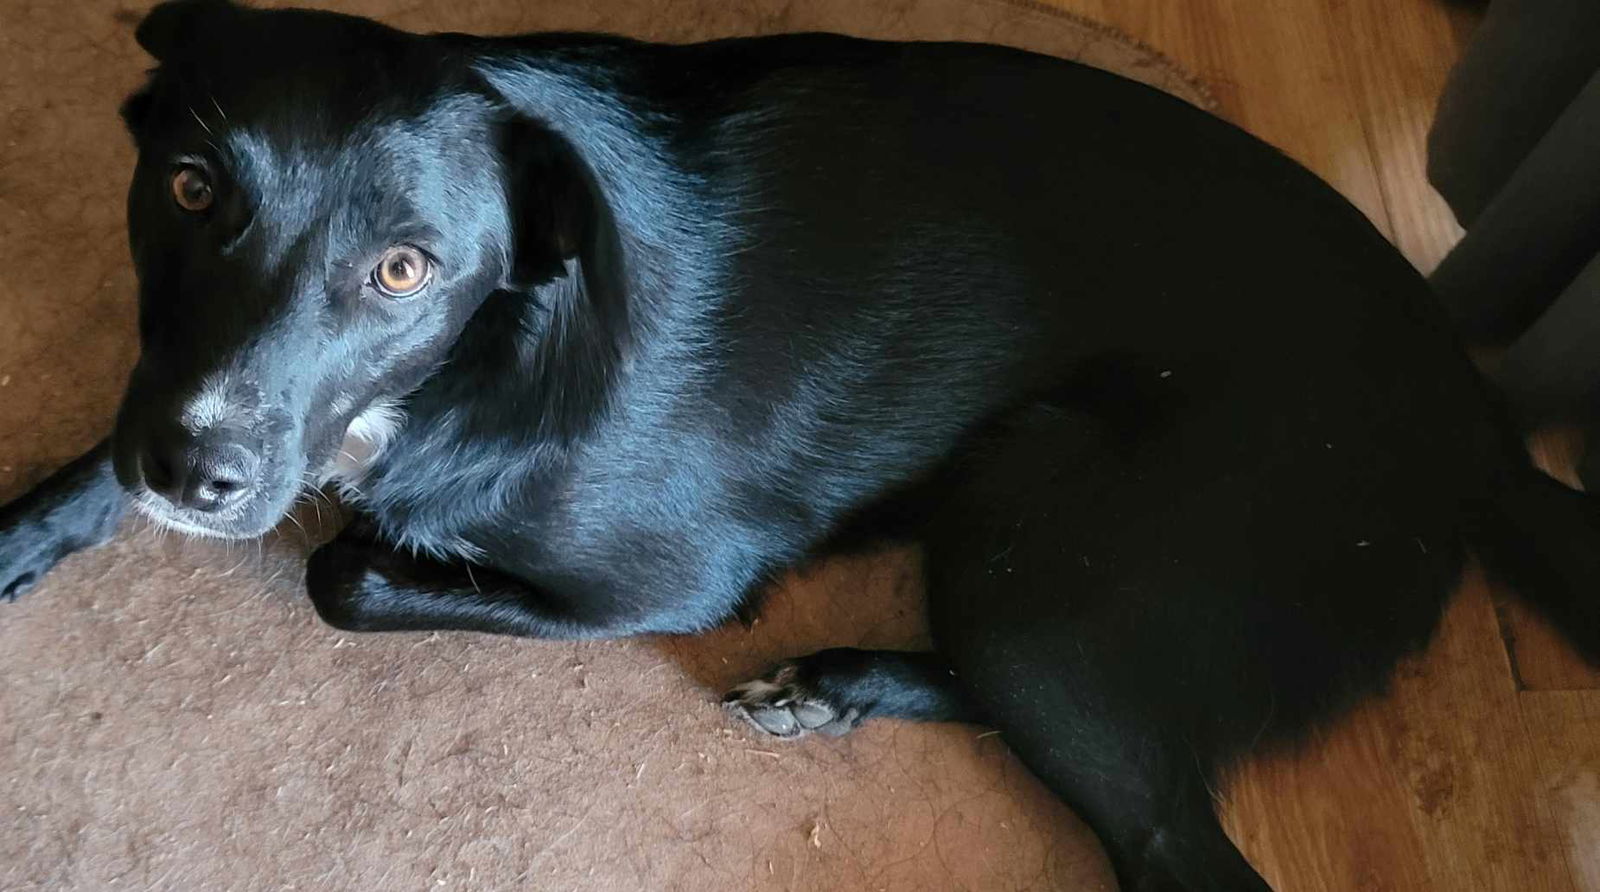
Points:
(170, 32)
(174, 26)
(566, 254)
(136, 109)
(556, 207)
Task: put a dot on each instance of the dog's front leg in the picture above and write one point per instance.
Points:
(361, 583)
(74, 508)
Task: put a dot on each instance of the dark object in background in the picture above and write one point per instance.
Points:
(1515, 150)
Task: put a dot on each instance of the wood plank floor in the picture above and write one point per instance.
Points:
(1481, 770)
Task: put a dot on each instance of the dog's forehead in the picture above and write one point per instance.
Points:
(378, 181)
(290, 138)
(269, 156)
(377, 155)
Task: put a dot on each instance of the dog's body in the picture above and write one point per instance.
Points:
(1194, 457)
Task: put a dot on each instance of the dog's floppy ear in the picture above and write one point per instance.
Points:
(170, 32)
(566, 254)
(556, 207)
(171, 27)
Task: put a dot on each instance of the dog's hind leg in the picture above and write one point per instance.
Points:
(1148, 803)
(1088, 675)
(832, 691)
(1151, 807)
(1134, 613)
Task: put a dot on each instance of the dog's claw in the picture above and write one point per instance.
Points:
(23, 562)
(781, 705)
(19, 586)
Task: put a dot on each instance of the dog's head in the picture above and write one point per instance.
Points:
(320, 205)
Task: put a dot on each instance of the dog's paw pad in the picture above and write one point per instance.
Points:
(781, 705)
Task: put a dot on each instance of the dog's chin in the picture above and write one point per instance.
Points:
(244, 524)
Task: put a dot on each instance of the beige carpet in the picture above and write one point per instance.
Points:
(173, 715)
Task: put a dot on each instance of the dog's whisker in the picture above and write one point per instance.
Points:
(305, 536)
(201, 121)
(243, 558)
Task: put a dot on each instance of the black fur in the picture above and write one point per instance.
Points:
(1193, 454)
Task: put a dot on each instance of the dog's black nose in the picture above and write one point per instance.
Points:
(207, 473)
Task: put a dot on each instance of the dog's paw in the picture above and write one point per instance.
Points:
(782, 704)
(339, 577)
(26, 555)
(76, 507)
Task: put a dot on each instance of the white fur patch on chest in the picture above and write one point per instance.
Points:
(364, 440)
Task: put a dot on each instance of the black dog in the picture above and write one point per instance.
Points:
(627, 328)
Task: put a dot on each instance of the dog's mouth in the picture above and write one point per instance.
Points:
(271, 496)
(207, 487)
(209, 526)
(253, 516)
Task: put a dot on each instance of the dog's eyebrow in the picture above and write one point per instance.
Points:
(409, 231)
(380, 235)
(422, 232)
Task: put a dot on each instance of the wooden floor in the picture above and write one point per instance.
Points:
(1482, 770)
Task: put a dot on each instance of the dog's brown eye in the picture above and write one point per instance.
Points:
(402, 272)
(191, 190)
